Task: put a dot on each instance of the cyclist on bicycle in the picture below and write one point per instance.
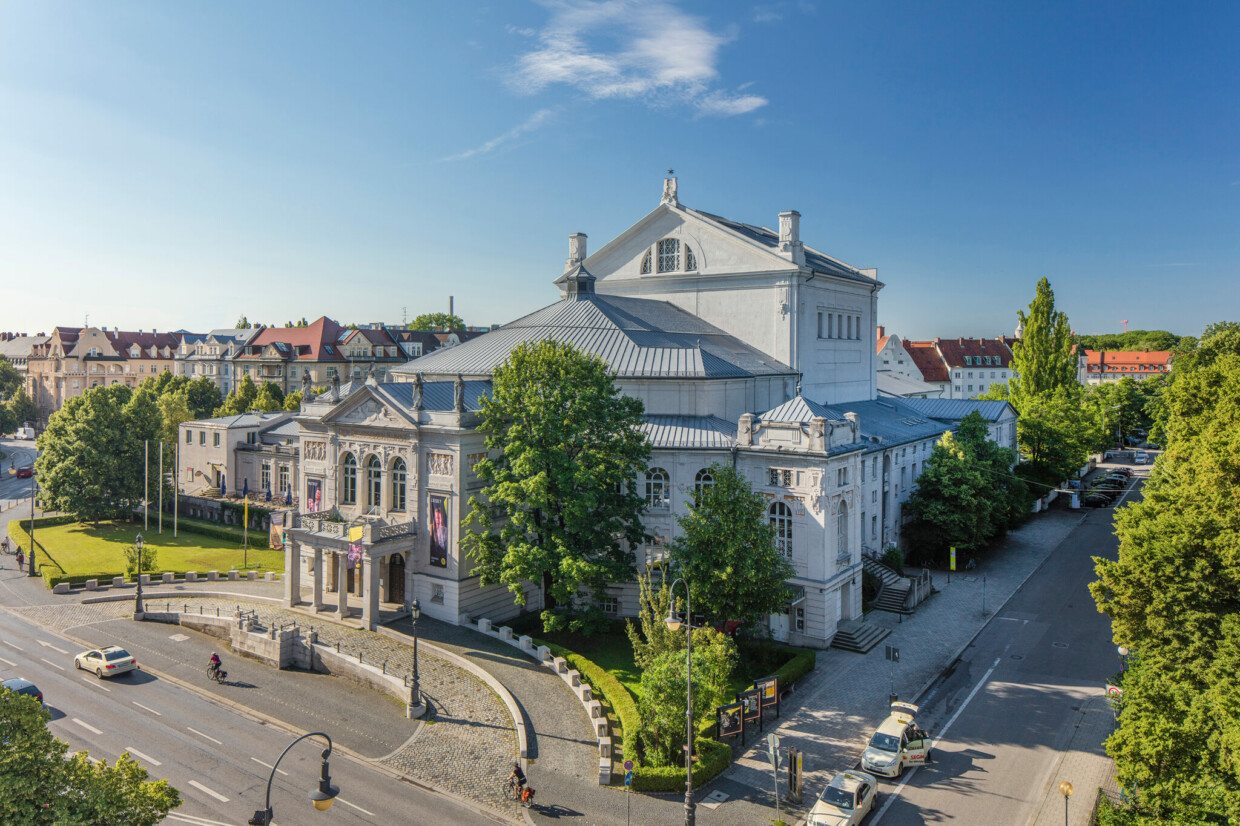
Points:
(213, 664)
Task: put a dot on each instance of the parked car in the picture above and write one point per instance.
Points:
(106, 662)
(20, 686)
(1123, 471)
(1141, 458)
(25, 472)
(846, 800)
(1096, 501)
(896, 743)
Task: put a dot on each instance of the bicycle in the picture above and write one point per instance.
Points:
(217, 674)
(9, 548)
(522, 794)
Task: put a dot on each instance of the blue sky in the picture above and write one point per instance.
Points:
(176, 165)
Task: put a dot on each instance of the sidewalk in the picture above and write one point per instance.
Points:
(1083, 763)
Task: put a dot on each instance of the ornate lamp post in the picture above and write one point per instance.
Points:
(322, 797)
(1065, 788)
(673, 622)
(137, 602)
(32, 571)
(415, 612)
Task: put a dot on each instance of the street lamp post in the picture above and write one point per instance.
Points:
(322, 797)
(1065, 788)
(1123, 657)
(673, 622)
(415, 612)
(137, 600)
(32, 570)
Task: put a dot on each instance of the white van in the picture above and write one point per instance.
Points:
(24, 433)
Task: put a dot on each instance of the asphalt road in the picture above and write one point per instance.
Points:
(1011, 704)
(218, 758)
(17, 453)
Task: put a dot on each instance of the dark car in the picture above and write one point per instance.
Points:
(1095, 501)
(20, 686)
(25, 472)
(1123, 471)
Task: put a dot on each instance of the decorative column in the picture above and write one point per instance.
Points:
(342, 585)
(318, 579)
(292, 572)
(370, 607)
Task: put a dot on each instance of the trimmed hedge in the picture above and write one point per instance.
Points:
(609, 690)
(44, 522)
(225, 532)
(801, 664)
(713, 758)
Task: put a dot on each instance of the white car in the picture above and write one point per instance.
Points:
(897, 743)
(1141, 458)
(106, 662)
(846, 800)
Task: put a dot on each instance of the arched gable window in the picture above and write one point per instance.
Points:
(690, 259)
(841, 530)
(348, 480)
(646, 263)
(656, 488)
(781, 518)
(704, 479)
(374, 482)
(398, 485)
(669, 255)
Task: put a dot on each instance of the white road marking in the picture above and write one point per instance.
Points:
(268, 765)
(144, 708)
(54, 648)
(142, 756)
(95, 683)
(11, 645)
(87, 726)
(52, 664)
(355, 806)
(891, 798)
(211, 792)
(198, 821)
(179, 637)
(9, 663)
(209, 737)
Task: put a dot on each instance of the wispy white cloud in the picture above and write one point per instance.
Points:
(775, 12)
(637, 49)
(531, 123)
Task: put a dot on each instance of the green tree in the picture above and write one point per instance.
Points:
(1056, 432)
(651, 638)
(7, 423)
(81, 466)
(22, 408)
(269, 398)
(292, 402)
(174, 411)
(663, 692)
(559, 506)
(203, 397)
(1042, 358)
(726, 551)
(952, 505)
(143, 423)
(39, 786)
(437, 322)
(10, 379)
(241, 399)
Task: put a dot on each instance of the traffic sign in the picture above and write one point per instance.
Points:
(772, 743)
(953, 559)
(628, 765)
(628, 778)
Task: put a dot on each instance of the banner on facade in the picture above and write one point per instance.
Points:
(314, 495)
(354, 557)
(439, 531)
(276, 538)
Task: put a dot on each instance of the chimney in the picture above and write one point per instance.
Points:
(882, 331)
(451, 304)
(790, 245)
(576, 250)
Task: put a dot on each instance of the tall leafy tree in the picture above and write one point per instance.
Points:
(269, 398)
(202, 396)
(726, 551)
(1056, 432)
(292, 402)
(87, 465)
(40, 786)
(174, 411)
(10, 379)
(1172, 596)
(437, 322)
(22, 407)
(1042, 357)
(559, 506)
(241, 399)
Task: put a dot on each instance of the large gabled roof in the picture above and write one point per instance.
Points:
(926, 356)
(637, 337)
(953, 410)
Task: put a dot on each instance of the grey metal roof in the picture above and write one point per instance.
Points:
(799, 409)
(251, 419)
(637, 337)
(891, 421)
(814, 259)
(437, 396)
(703, 432)
(20, 346)
(285, 430)
(953, 410)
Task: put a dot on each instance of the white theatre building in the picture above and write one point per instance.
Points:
(745, 345)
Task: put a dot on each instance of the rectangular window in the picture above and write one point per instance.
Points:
(437, 593)
(850, 327)
(331, 372)
(858, 328)
(874, 526)
(283, 478)
(189, 440)
(610, 605)
(970, 388)
(266, 476)
(202, 437)
(215, 439)
(800, 619)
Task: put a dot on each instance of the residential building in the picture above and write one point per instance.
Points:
(16, 347)
(270, 464)
(321, 351)
(963, 367)
(225, 454)
(75, 359)
(1000, 416)
(211, 354)
(1099, 366)
(417, 343)
(898, 374)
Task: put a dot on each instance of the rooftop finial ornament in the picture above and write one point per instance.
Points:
(669, 190)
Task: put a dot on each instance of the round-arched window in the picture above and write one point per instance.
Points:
(348, 480)
(398, 485)
(656, 488)
(781, 519)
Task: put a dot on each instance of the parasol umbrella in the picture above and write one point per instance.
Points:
(223, 487)
(245, 490)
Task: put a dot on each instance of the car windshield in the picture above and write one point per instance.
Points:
(838, 798)
(118, 654)
(885, 742)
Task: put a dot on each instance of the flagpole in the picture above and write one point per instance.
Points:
(146, 485)
(161, 487)
(245, 533)
(176, 484)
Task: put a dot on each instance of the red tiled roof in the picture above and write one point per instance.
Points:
(315, 342)
(928, 360)
(1128, 361)
(977, 350)
(882, 342)
(122, 340)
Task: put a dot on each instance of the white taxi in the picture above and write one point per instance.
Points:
(106, 662)
(897, 743)
(846, 800)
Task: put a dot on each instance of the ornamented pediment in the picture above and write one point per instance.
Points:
(369, 412)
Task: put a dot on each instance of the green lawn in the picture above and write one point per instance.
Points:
(85, 552)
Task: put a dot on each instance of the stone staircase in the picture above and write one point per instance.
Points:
(893, 595)
(858, 636)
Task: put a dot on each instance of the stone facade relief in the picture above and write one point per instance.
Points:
(439, 464)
